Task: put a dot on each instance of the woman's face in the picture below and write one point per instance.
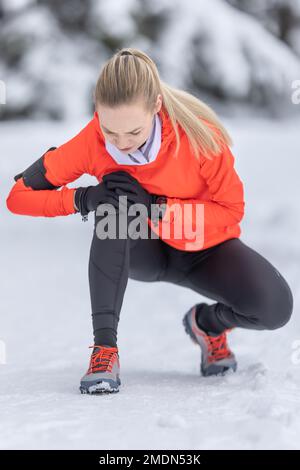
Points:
(127, 127)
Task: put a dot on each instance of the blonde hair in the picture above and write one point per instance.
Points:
(131, 75)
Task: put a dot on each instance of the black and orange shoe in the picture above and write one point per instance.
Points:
(103, 374)
(216, 357)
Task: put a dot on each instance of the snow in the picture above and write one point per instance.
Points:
(163, 402)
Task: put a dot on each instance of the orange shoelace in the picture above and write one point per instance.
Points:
(217, 347)
(102, 359)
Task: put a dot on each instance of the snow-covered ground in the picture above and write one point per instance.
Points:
(163, 403)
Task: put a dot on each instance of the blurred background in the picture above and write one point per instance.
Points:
(234, 53)
(243, 59)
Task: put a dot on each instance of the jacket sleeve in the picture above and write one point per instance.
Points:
(225, 206)
(63, 165)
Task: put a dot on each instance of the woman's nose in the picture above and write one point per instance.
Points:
(123, 145)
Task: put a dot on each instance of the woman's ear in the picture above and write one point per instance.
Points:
(158, 103)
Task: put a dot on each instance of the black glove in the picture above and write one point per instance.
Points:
(126, 185)
(88, 198)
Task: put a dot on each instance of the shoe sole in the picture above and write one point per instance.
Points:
(213, 369)
(100, 387)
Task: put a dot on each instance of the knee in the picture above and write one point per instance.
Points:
(268, 304)
(276, 308)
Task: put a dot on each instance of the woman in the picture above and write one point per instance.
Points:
(165, 150)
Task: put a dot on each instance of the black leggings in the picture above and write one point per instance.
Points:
(250, 292)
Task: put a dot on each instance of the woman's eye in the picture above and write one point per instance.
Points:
(137, 133)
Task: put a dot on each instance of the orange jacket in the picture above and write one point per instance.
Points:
(213, 185)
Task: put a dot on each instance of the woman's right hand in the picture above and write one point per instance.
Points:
(88, 198)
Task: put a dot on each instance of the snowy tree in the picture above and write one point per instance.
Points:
(228, 54)
(280, 17)
(48, 71)
(232, 53)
